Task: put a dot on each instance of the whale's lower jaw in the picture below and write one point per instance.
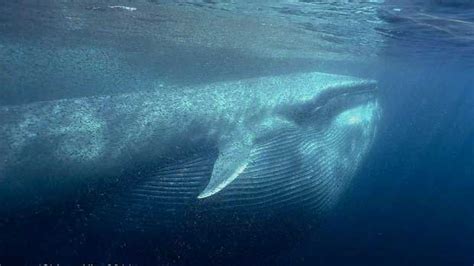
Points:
(292, 171)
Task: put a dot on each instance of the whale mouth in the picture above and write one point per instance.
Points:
(367, 91)
(331, 102)
(348, 97)
(336, 102)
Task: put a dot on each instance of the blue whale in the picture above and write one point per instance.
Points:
(261, 146)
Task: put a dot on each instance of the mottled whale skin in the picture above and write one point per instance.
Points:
(273, 143)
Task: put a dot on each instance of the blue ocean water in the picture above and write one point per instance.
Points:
(410, 203)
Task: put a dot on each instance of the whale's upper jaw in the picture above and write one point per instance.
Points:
(234, 155)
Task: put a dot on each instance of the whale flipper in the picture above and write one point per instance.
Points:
(232, 161)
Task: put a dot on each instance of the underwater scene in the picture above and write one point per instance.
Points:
(226, 132)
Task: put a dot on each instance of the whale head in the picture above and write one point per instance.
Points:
(304, 152)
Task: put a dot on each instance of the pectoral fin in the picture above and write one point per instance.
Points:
(232, 161)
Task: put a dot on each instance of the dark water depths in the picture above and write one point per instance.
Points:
(411, 203)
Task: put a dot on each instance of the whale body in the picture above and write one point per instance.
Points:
(260, 146)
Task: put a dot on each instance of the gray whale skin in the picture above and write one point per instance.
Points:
(259, 146)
